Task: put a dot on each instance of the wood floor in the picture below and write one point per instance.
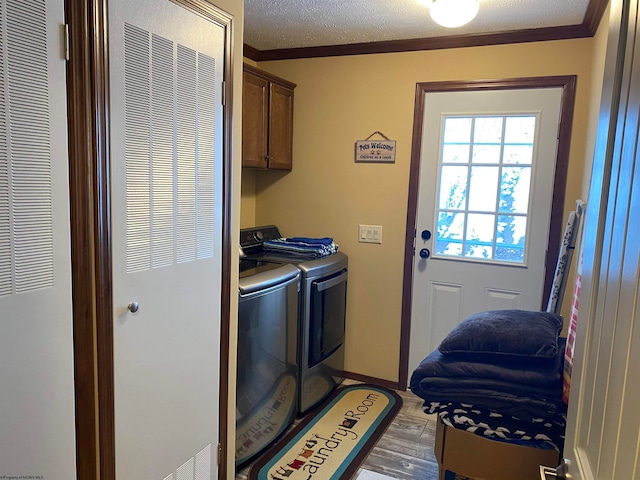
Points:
(405, 451)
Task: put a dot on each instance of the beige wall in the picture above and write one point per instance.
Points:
(248, 199)
(344, 99)
(597, 77)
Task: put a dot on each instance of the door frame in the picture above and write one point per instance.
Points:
(90, 183)
(568, 85)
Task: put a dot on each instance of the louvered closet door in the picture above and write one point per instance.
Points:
(166, 137)
(37, 429)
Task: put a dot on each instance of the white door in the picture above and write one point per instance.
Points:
(37, 419)
(603, 424)
(166, 72)
(484, 202)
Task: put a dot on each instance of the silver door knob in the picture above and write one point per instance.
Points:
(133, 307)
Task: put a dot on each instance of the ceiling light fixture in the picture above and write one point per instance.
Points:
(453, 13)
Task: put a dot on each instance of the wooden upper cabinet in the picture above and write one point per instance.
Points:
(267, 120)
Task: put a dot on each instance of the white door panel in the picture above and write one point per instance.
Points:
(446, 288)
(166, 67)
(37, 419)
(603, 425)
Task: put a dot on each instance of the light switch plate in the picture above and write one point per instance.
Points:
(369, 233)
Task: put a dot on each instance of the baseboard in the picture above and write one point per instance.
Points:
(375, 381)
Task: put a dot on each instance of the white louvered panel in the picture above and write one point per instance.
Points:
(185, 472)
(137, 147)
(27, 88)
(5, 225)
(203, 464)
(162, 88)
(206, 129)
(186, 150)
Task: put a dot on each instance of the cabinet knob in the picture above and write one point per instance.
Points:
(267, 158)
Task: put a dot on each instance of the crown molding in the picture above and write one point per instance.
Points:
(587, 28)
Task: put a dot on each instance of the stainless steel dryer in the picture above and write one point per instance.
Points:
(322, 314)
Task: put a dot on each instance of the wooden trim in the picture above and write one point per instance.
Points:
(568, 83)
(88, 107)
(373, 380)
(222, 18)
(559, 185)
(593, 17)
(410, 235)
(88, 121)
(587, 28)
(250, 52)
(434, 43)
(270, 77)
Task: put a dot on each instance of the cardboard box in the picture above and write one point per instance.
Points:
(465, 456)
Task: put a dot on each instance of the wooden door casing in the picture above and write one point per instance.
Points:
(89, 160)
(568, 83)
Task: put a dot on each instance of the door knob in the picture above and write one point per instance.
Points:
(426, 234)
(133, 307)
(425, 253)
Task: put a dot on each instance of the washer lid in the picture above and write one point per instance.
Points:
(264, 276)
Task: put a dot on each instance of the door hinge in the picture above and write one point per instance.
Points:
(224, 93)
(66, 42)
(219, 455)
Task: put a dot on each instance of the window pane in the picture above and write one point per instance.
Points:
(479, 241)
(520, 130)
(483, 189)
(486, 154)
(455, 153)
(449, 233)
(480, 227)
(514, 189)
(510, 238)
(444, 247)
(457, 130)
(478, 251)
(522, 154)
(453, 187)
(488, 130)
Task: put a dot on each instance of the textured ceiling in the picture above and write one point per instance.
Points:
(277, 24)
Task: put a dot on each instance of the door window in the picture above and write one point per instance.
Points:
(483, 187)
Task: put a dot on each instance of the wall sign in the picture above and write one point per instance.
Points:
(376, 151)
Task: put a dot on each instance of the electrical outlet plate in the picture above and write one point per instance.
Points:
(370, 234)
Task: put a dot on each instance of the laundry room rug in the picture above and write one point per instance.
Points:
(331, 442)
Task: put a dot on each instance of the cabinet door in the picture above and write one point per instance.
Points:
(255, 104)
(280, 127)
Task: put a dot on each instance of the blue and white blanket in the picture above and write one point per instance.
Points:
(314, 247)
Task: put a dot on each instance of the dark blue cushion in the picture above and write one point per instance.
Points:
(505, 335)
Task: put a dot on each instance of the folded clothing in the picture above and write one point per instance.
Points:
(524, 391)
(311, 241)
(524, 407)
(284, 245)
(437, 364)
(539, 432)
